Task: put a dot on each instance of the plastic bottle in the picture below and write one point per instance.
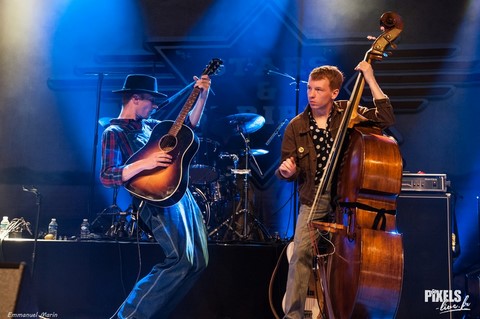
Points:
(84, 229)
(53, 228)
(3, 227)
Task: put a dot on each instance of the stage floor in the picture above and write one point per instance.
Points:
(90, 279)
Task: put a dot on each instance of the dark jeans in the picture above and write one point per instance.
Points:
(181, 233)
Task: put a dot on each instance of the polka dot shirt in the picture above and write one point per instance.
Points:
(323, 141)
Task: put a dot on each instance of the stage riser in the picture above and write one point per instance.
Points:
(83, 280)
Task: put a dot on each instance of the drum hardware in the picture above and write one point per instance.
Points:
(98, 225)
(240, 171)
(119, 228)
(234, 157)
(244, 123)
(120, 225)
(202, 203)
(203, 168)
(128, 226)
(219, 190)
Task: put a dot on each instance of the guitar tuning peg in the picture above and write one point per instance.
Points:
(371, 38)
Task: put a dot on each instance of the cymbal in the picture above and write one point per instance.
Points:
(255, 152)
(258, 151)
(104, 121)
(245, 122)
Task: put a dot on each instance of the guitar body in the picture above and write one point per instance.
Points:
(165, 186)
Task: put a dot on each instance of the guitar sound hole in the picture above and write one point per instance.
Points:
(167, 143)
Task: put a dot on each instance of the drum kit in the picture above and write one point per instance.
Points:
(220, 182)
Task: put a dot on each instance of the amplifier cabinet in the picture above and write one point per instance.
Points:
(425, 222)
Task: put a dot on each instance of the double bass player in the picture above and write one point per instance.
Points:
(306, 146)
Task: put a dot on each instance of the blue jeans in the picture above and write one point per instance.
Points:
(301, 262)
(181, 233)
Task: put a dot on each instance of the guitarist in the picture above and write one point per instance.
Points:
(178, 229)
(305, 150)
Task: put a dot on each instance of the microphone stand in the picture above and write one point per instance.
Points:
(35, 240)
(276, 132)
(297, 82)
(101, 76)
(171, 99)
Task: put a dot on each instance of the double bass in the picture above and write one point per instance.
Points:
(363, 277)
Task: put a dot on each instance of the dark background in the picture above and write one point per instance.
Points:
(60, 60)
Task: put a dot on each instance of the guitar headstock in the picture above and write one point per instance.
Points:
(213, 67)
(392, 25)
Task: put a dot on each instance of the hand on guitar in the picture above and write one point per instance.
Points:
(156, 159)
(202, 83)
(288, 167)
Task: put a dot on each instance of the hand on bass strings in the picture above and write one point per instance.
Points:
(288, 167)
(369, 76)
(366, 69)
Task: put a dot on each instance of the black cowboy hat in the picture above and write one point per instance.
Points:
(140, 83)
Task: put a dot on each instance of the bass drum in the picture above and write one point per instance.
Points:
(203, 169)
(203, 203)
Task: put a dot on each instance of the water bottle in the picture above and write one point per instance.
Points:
(84, 229)
(3, 227)
(53, 228)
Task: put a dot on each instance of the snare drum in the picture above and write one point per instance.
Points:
(203, 169)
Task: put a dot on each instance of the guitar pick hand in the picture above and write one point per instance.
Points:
(158, 159)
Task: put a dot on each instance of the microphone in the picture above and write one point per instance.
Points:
(30, 190)
(276, 132)
(172, 98)
(164, 103)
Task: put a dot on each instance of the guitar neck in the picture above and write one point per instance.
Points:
(177, 125)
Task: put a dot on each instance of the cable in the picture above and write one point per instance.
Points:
(139, 254)
(272, 279)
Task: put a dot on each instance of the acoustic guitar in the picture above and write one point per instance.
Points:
(165, 186)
